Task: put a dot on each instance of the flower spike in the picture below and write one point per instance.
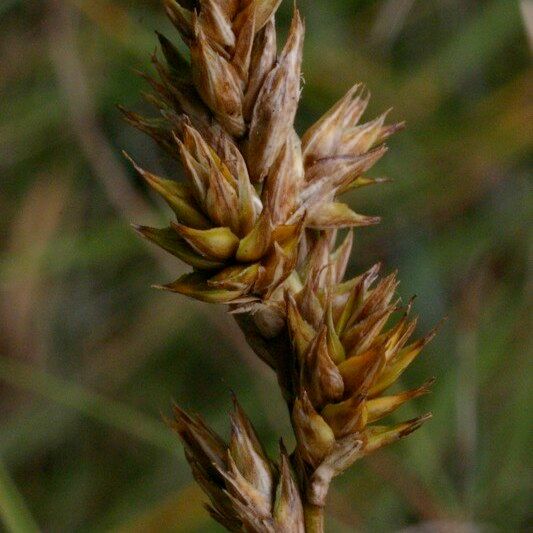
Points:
(260, 220)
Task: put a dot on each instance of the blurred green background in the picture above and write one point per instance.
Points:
(91, 356)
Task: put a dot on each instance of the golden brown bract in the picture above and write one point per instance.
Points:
(257, 218)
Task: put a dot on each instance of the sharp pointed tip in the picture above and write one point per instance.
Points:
(412, 425)
(129, 158)
(417, 422)
(429, 383)
(139, 73)
(431, 335)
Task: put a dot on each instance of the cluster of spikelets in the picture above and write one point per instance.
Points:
(257, 219)
(247, 491)
(345, 359)
(252, 185)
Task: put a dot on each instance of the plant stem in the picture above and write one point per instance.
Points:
(314, 518)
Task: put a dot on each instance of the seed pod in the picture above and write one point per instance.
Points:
(215, 243)
(280, 192)
(320, 376)
(261, 10)
(178, 196)
(276, 105)
(216, 24)
(249, 455)
(261, 62)
(315, 437)
(376, 437)
(321, 139)
(218, 83)
(170, 241)
(181, 18)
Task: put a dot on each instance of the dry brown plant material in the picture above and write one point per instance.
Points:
(257, 219)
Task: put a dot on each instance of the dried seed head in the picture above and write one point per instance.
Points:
(324, 139)
(346, 361)
(261, 10)
(217, 82)
(215, 21)
(246, 491)
(257, 218)
(284, 180)
(249, 455)
(320, 376)
(228, 117)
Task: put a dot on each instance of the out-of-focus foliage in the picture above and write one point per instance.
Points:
(90, 355)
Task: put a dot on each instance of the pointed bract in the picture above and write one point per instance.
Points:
(276, 105)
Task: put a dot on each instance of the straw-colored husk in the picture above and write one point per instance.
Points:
(257, 219)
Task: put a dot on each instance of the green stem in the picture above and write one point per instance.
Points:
(314, 518)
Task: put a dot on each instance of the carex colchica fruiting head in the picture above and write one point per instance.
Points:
(257, 217)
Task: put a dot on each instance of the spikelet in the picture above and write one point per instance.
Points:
(252, 186)
(247, 491)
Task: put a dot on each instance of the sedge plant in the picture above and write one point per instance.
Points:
(257, 218)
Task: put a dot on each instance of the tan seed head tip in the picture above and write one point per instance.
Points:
(417, 422)
(138, 229)
(134, 164)
(426, 386)
(433, 332)
(398, 126)
(372, 220)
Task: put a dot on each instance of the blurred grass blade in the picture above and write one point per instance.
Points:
(500, 20)
(13, 510)
(89, 403)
